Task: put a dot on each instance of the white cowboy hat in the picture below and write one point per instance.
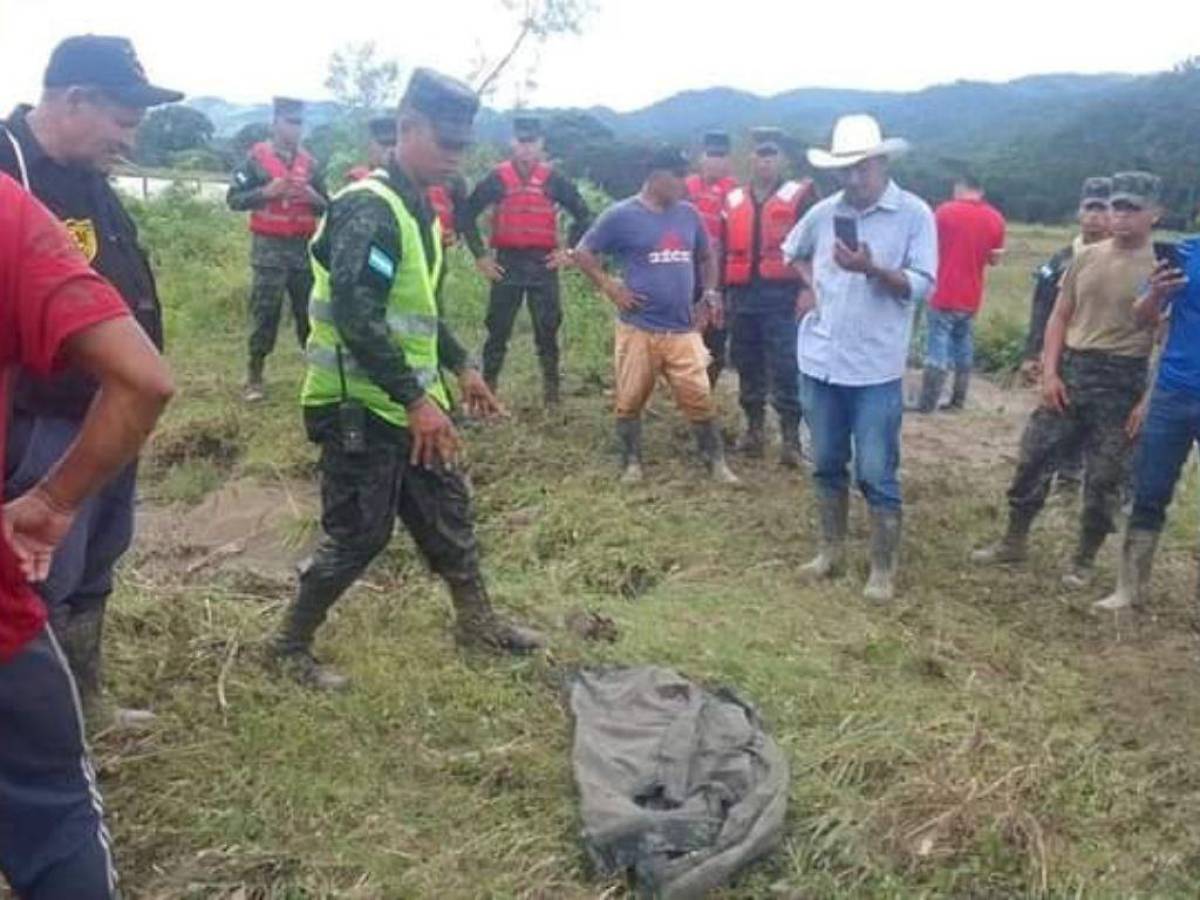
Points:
(855, 138)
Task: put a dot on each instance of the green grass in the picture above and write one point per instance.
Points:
(983, 738)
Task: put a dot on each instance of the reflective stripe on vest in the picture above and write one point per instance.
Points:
(283, 218)
(775, 218)
(525, 218)
(400, 323)
(412, 320)
(709, 199)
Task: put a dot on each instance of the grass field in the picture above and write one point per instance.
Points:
(983, 737)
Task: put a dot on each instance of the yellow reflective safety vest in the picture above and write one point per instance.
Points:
(412, 318)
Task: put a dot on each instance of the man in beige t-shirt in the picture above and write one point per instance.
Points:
(1094, 373)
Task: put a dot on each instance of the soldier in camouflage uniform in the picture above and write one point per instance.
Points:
(373, 396)
(1094, 366)
(1093, 227)
(284, 190)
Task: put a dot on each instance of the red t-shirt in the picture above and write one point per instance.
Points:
(47, 293)
(968, 232)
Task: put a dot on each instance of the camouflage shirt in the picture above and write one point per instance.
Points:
(246, 193)
(358, 228)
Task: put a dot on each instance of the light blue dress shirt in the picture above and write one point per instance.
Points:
(858, 334)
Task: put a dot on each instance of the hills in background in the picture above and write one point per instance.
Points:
(1032, 140)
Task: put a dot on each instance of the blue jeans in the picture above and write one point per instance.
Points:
(858, 422)
(53, 842)
(951, 340)
(1172, 426)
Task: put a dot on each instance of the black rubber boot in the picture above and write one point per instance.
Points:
(291, 648)
(1083, 566)
(479, 628)
(82, 638)
(958, 394)
(791, 454)
(752, 441)
(931, 389)
(1012, 548)
(712, 451)
(885, 555)
(255, 386)
(629, 437)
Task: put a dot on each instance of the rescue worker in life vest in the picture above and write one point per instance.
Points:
(761, 292)
(444, 198)
(707, 189)
(524, 192)
(285, 192)
(373, 395)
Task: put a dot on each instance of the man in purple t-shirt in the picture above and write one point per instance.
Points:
(656, 239)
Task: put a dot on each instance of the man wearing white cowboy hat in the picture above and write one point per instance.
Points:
(869, 254)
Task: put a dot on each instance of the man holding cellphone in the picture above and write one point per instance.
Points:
(1094, 366)
(858, 308)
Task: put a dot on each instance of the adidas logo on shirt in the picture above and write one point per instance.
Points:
(671, 250)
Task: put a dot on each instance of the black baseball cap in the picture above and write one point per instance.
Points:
(667, 158)
(288, 108)
(448, 103)
(767, 138)
(109, 63)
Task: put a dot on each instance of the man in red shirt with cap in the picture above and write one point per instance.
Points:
(55, 310)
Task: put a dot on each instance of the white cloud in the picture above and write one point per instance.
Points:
(632, 52)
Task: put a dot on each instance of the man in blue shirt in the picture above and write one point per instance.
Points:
(864, 281)
(1172, 423)
(657, 239)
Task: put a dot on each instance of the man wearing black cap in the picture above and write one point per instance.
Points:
(761, 292)
(658, 242)
(1094, 366)
(1093, 228)
(524, 192)
(707, 189)
(381, 138)
(284, 190)
(94, 97)
(373, 397)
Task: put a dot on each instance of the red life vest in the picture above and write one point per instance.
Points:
(284, 218)
(709, 199)
(776, 218)
(525, 218)
(358, 173)
(443, 205)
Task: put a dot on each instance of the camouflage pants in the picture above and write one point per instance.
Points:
(362, 494)
(1102, 390)
(545, 311)
(266, 305)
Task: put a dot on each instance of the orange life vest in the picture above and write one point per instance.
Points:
(709, 199)
(525, 218)
(443, 205)
(774, 219)
(280, 217)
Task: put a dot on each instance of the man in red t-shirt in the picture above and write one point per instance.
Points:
(970, 238)
(55, 309)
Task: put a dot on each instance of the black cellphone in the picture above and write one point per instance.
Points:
(845, 229)
(352, 422)
(1165, 251)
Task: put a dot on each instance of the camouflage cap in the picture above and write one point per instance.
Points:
(383, 130)
(1140, 189)
(767, 137)
(1095, 191)
(527, 128)
(448, 103)
(288, 107)
(717, 143)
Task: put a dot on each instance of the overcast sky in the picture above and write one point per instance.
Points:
(631, 52)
